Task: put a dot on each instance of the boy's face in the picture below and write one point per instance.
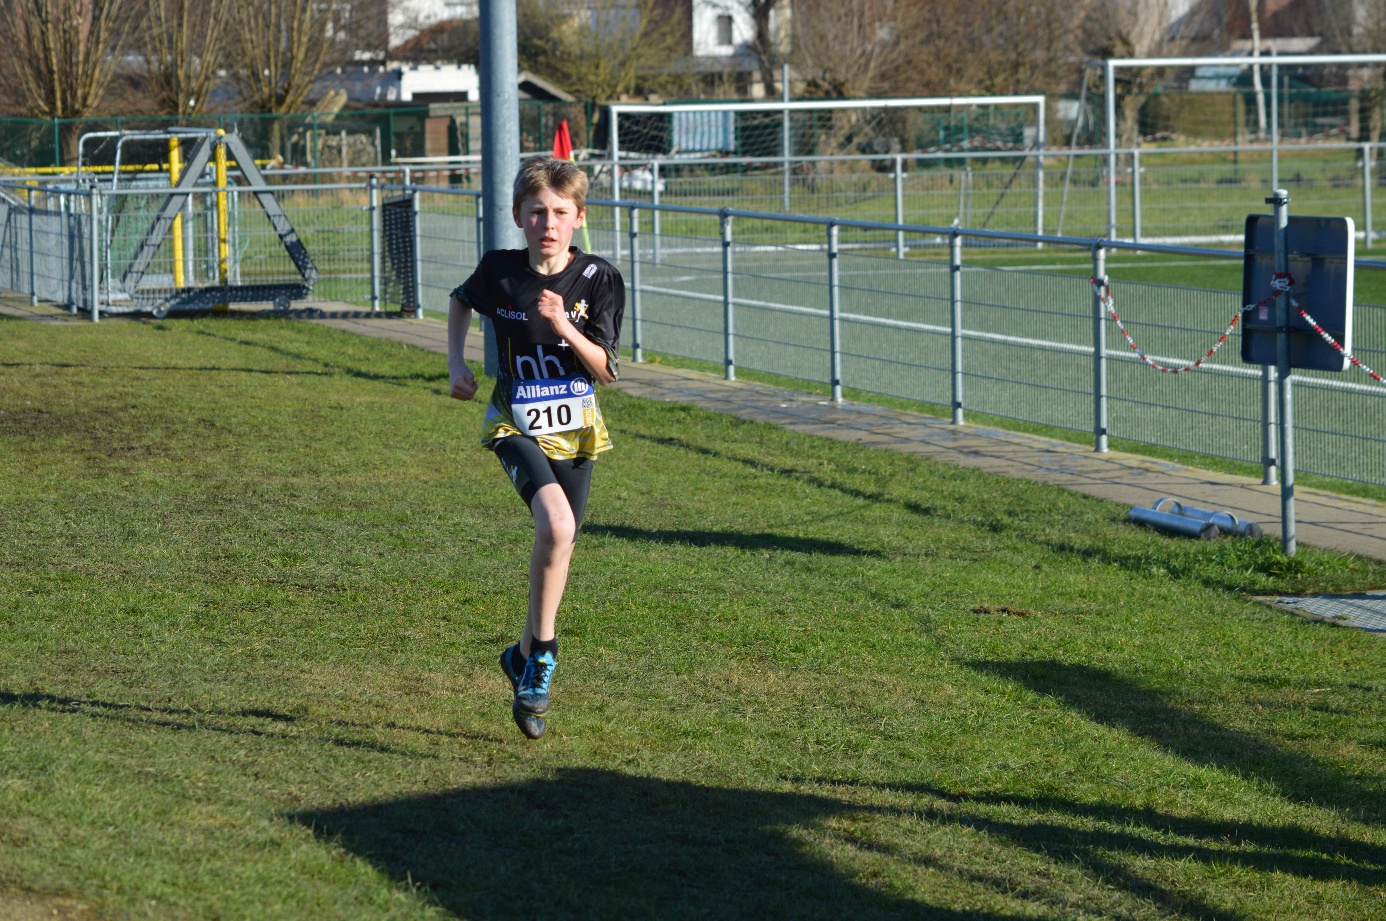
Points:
(548, 221)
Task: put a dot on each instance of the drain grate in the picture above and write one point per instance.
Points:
(1362, 610)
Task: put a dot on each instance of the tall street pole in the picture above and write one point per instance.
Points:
(500, 137)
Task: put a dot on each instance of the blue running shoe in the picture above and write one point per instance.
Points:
(532, 726)
(532, 696)
(507, 664)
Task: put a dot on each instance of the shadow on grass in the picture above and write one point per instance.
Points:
(226, 722)
(1112, 700)
(1228, 565)
(1110, 842)
(196, 369)
(589, 843)
(812, 479)
(402, 380)
(736, 539)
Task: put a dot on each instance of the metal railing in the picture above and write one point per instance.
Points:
(829, 300)
(819, 299)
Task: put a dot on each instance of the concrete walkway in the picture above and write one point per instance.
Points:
(1323, 519)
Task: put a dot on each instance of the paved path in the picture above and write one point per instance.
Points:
(1323, 519)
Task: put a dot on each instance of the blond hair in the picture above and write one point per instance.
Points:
(562, 177)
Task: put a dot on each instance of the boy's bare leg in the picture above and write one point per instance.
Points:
(554, 532)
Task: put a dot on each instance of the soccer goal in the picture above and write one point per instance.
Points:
(815, 155)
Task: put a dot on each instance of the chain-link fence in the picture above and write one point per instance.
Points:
(48, 245)
(303, 140)
(924, 313)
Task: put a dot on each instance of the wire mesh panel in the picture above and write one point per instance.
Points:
(448, 245)
(681, 286)
(780, 297)
(45, 246)
(1340, 419)
(232, 242)
(1214, 411)
(1027, 346)
(895, 325)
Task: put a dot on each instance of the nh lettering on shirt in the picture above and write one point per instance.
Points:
(538, 368)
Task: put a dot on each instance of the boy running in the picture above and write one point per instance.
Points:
(557, 316)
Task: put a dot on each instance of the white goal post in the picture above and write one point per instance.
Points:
(1272, 61)
(786, 107)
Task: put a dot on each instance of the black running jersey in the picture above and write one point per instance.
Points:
(506, 289)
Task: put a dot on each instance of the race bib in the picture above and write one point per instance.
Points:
(553, 404)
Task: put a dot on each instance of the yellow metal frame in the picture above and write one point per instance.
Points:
(223, 241)
(175, 169)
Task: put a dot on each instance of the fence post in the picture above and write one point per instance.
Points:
(1280, 199)
(1136, 196)
(637, 352)
(955, 322)
(834, 317)
(728, 319)
(1099, 352)
(1109, 101)
(480, 230)
(94, 260)
(899, 205)
(1367, 194)
(417, 267)
(1268, 437)
(615, 194)
(67, 211)
(374, 209)
(654, 214)
(786, 141)
(33, 256)
(1275, 126)
(1041, 141)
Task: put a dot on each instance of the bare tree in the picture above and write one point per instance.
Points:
(854, 48)
(183, 47)
(608, 48)
(1358, 26)
(995, 47)
(280, 48)
(768, 35)
(1133, 29)
(61, 55)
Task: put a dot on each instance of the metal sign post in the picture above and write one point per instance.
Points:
(1297, 282)
(1280, 201)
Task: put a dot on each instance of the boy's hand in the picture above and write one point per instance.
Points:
(552, 308)
(463, 384)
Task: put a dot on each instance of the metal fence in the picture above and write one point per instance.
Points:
(48, 246)
(1161, 194)
(818, 299)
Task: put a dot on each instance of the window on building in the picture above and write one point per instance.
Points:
(724, 30)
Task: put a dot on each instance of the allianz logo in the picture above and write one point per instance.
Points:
(537, 391)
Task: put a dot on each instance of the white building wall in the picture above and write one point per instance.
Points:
(408, 18)
(706, 39)
(439, 78)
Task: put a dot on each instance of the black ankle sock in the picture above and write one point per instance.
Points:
(536, 647)
(517, 659)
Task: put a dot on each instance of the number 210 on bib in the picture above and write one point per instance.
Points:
(553, 404)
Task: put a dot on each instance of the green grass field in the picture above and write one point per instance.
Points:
(254, 575)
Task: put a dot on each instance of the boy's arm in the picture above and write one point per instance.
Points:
(592, 356)
(463, 383)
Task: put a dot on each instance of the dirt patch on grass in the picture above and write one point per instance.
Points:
(20, 906)
(1003, 610)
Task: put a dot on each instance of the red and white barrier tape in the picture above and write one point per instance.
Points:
(1102, 287)
(1323, 334)
(1280, 282)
